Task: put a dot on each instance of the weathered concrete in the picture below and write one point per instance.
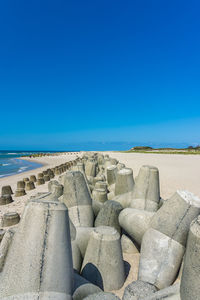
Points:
(20, 184)
(103, 262)
(20, 192)
(83, 288)
(5, 199)
(40, 175)
(76, 197)
(102, 296)
(176, 214)
(120, 166)
(33, 178)
(26, 179)
(146, 192)
(127, 245)
(124, 199)
(190, 282)
(55, 188)
(135, 222)
(46, 178)
(76, 256)
(4, 246)
(99, 195)
(82, 238)
(124, 181)
(6, 190)
(10, 219)
(40, 181)
(109, 214)
(170, 293)
(160, 259)
(101, 185)
(40, 249)
(111, 174)
(2, 232)
(138, 290)
(90, 168)
(29, 186)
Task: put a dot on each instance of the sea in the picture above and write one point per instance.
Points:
(9, 165)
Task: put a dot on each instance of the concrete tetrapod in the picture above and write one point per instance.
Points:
(6, 190)
(124, 181)
(170, 293)
(5, 199)
(103, 263)
(146, 192)
(40, 249)
(30, 185)
(77, 198)
(163, 245)
(127, 245)
(190, 282)
(99, 197)
(102, 296)
(83, 288)
(10, 219)
(138, 290)
(90, 168)
(111, 177)
(135, 222)
(56, 188)
(33, 178)
(108, 215)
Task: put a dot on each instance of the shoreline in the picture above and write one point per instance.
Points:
(19, 202)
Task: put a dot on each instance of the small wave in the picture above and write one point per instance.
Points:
(22, 169)
(5, 165)
(11, 153)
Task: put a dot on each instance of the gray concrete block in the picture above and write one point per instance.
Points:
(135, 222)
(176, 214)
(83, 288)
(124, 181)
(5, 199)
(6, 190)
(170, 293)
(10, 219)
(138, 290)
(77, 198)
(102, 296)
(39, 260)
(33, 178)
(29, 186)
(103, 263)
(109, 214)
(127, 245)
(76, 256)
(111, 173)
(190, 282)
(160, 259)
(146, 192)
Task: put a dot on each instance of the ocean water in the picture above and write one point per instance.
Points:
(9, 165)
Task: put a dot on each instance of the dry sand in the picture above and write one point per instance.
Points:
(177, 171)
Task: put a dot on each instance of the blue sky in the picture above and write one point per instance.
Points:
(86, 74)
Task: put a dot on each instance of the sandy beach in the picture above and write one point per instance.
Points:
(47, 162)
(177, 171)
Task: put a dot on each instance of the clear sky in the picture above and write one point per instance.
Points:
(88, 73)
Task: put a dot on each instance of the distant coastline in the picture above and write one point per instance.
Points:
(147, 149)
